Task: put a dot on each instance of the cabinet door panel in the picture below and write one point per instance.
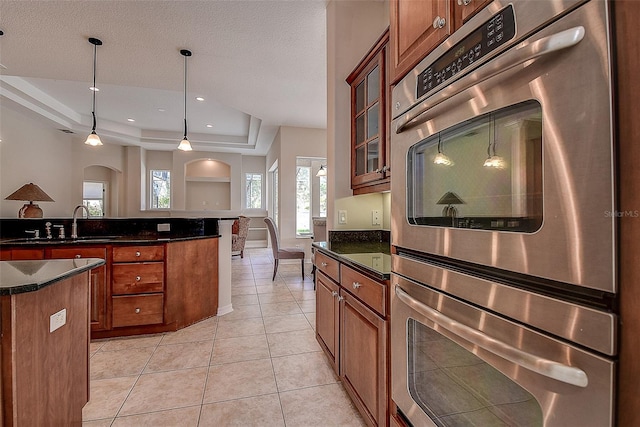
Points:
(98, 278)
(27, 254)
(363, 358)
(413, 34)
(327, 317)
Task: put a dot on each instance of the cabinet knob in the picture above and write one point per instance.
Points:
(324, 264)
(334, 294)
(340, 298)
(439, 22)
(137, 310)
(78, 256)
(464, 2)
(356, 285)
(137, 253)
(138, 278)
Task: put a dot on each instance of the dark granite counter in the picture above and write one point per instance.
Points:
(99, 240)
(27, 276)
(354, 248)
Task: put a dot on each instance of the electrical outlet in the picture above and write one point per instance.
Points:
(164, 227)
(375, 217)
(342, 217)
(57, 320)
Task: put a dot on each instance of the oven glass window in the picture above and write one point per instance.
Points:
(454, 387)
(485, 173)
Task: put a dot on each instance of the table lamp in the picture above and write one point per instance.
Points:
(30, 193)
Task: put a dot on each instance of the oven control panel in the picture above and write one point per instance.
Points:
(494, 33)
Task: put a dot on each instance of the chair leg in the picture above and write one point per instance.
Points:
(275, 269)
(302, 268)
(242, 253)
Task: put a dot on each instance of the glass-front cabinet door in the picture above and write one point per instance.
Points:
(369, 139)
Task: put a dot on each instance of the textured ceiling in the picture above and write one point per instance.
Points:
(258, 64)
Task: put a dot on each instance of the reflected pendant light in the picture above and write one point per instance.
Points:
(493, 160)
(93, 139)
(185, 145)
(441, 158)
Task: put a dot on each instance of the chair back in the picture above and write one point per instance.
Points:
(243, 226)
(273, 233)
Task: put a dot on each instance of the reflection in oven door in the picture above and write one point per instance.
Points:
(454, 364)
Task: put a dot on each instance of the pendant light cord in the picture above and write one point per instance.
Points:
(185, 97)
(93, 107)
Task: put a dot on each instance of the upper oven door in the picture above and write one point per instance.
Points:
(511, 165)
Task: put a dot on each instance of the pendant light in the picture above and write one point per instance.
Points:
(93, 139)
(322, 171)
(441, 158)
(493, 160)
(185, 145)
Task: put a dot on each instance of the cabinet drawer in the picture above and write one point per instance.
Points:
(365, 289)
(58, 253)
(138, 253)
(327, 265)
(137, 310)
(137, 278)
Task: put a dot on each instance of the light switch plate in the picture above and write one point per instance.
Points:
(164, 227)
(342, 217)
(57, 320)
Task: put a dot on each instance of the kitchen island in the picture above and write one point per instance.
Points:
(44, 354)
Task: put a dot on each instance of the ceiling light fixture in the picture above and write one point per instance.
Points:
(493, 160)
(185, 145)
(199, 98)
(93, 139)
(322, 171)
(131, 120)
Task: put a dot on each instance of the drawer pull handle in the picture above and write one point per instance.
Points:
(137, 253)
(138, 278)
(334, 294)
(340, 298)
(356, 285)
(464, 2)
(324, 264)
(137, 310)
(78, 256)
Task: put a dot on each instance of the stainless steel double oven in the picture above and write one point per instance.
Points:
(503, 225)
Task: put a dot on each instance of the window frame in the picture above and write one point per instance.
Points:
(151, 189)
(247, 187)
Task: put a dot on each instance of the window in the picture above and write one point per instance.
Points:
(253, 186)
(311, 194)
(160, 189)
(93, 194)
(274, 201)
(303, 200)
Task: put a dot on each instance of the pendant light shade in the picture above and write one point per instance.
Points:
(322, 171)
(93, 139)
(185, 145)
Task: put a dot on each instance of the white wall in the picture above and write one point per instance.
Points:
(32, 150)
(290, 143)
(352, 29)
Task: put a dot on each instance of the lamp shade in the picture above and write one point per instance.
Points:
(322, 171)
(30, 193)
(450, 198)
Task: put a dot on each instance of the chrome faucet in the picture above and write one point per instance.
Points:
(74, 226)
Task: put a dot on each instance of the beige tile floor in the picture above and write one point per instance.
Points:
(257, 366)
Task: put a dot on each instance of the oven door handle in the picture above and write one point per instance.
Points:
(520, 55)
(542, 366)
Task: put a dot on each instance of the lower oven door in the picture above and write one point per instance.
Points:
(454, 364)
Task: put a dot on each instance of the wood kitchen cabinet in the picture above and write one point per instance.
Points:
(137, 285)
(328, 318)
(352, 327)
(98, 281)
(419, 26)
(370, 161)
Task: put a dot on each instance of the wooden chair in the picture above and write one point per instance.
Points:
(239, 237)
(281, 253)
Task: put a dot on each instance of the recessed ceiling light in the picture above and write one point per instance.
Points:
(199, 98)
(93, 88)
(131, 120)
(209, 126)
(162, 110)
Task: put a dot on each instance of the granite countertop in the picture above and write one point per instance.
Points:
(374, 257)
(18, 277)
(97, 240)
